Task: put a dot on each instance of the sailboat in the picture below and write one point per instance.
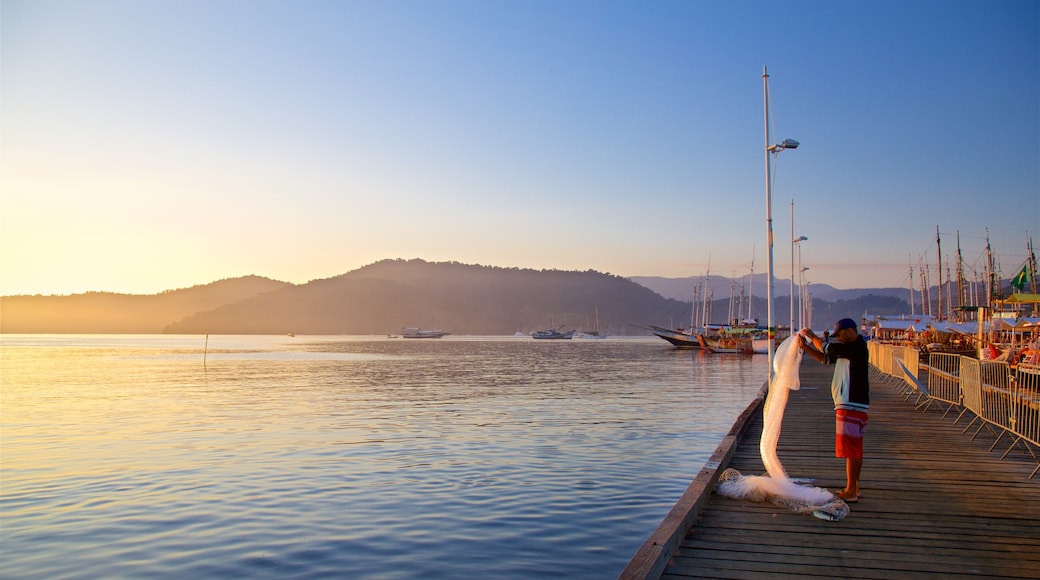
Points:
(689, 338)
(594, 333)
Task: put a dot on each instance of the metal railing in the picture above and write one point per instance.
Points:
(944, 382)
(1003, 401)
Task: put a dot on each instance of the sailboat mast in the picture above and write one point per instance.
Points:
(693, 309)
(960, 275)
(751, 288)
(910, 259)
(1032, 269)
(939, 285)
(926, 295)
(705, 298)
(990, 290)
(732, 296)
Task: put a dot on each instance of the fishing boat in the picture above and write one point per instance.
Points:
(728, 344)
(553, 334)
(679, 338)
(700, 313)
(745, 338)
(416, 332)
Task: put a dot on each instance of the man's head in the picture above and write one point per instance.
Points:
(845, 330)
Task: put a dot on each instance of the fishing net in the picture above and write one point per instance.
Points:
(776, 487)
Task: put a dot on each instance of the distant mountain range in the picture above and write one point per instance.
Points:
(682, 288)
(383, 297)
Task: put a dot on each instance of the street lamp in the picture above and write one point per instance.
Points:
(772, 149)
(802, 298)
(793, 242)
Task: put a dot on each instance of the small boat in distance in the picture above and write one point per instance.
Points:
(416, 332)
(593, 334)
(553, 334)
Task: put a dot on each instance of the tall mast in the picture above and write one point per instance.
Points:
(990, 274)
(960, 275)
(1032, 269)
(732, 295)
(751, 286)
(926, 294)
(910, 259)
(939, 285)
(707, 295)
(693, 309)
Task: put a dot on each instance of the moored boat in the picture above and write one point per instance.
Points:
(553, 334)
(728, 344)
(593, 334)
(679, 338)
(416, 332)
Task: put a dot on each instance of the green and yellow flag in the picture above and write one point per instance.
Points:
(1019, 281)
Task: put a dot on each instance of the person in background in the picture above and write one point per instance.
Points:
(850, 389)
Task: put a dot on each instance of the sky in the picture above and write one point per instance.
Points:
(160, 144)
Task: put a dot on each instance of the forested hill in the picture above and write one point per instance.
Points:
(112, 313)
(383, 297)
(376, 299)
(467, 299)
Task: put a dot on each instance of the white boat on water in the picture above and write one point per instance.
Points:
(416, 332)
(679, 337)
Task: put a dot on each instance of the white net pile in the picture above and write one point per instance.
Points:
(777, 487)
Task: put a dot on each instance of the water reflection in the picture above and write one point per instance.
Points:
(350, 456)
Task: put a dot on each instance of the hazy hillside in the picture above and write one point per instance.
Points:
(469, 299)
(383, 297)
(682, 288)
(111, 313)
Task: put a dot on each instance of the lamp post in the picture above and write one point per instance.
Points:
(793, 242)
(771, 150)
(802, 297)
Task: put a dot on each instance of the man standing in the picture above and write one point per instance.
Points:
(850, 389)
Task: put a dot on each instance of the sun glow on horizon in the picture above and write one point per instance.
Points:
(205, 144)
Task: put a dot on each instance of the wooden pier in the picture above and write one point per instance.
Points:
(934, 503)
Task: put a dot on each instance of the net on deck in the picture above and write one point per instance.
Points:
(777, 487)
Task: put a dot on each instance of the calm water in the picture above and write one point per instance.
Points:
(349, 457)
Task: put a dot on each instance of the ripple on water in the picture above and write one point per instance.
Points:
(349, 458)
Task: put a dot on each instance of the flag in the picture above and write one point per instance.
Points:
(1019, 281)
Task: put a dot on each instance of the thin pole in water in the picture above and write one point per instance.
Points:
(205, 352)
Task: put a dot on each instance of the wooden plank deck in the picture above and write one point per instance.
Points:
(934, 504)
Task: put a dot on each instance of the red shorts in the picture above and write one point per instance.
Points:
(848, 435)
